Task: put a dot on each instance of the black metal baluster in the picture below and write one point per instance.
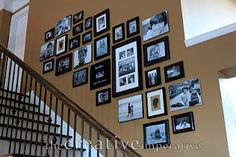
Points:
(90, 140)
(2, 68)
(33, 122)
(42, 131)
(98, 144)
(49, 123)
(54, 141)
(38, 118)
(115, 151)
(13, 113)
(9, 108)
(124, 154)
(68, 130)
(106, 147)
(61, 127)
(28, 110)
(23, 115)
(74, 141)
(82, 138)
(18, 115)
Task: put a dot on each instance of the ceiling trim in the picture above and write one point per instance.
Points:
(14, 5)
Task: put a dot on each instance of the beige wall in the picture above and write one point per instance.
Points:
(202, 61)
(5, 18)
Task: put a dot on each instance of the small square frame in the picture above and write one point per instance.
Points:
(85, 81)
(154, 79)
(120, 34)
(134, 23)
(107, 97)
(174, 71)
(103, 17)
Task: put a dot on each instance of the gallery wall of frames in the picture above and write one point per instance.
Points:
(102, 55)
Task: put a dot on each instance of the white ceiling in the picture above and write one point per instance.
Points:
(12, 5)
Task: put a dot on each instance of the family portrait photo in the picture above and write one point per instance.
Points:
(174, 71)
(49, 35)
(80, 77)
(155, 26)
(48, 66)
(156, 51)
(156, 134)
(130, 108)
(101, 47)
(83, 56)
(103, 97)
(185, 94)
(47, 51)
(153, 77)
(63, 64)
(63, 26)
(183, 123)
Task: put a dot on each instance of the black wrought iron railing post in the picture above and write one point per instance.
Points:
(54, 140)
(74, 138)
(68, 132)
(61, 126)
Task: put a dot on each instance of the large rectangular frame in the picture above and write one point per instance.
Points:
(132, 58)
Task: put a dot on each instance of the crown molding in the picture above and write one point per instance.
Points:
(14, 5)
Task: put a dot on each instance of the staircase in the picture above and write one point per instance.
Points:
(36, 119)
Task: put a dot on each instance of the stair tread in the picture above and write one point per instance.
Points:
(38, 143)
(19, 101)
(31, 120)
(33, 130)
(25, 111)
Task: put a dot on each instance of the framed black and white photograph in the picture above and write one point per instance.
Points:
(83, 56)
(74, 43)
(63, 25)
(80, 77)
(63, 64)
(174, 71)
(185, 94)
(102, 47)
(87, 37)
(183, 123)
(88, 23)
(156, 51)
(77, 29)
(156, 134)
(155, 26)
(61, 45)
(103, 97)
(127, 67)
(47, 50)
(156, 103)
(130, 108)
(118, 33)
(100, 74)
(48, 66)
(132, 26)
(49, 34)
(153, 77)
(102, 22)
(78, 17)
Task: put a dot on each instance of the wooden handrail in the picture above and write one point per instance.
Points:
(71, 104)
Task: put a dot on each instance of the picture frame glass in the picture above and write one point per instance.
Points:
(101, 23)
(63, 64)
(153, 77)
(48, 66)
(83, 56)
(103, 97)
(183, 123)
(102, 47)
(174, 71)
(63, 26)
(118, 33)
(47, 50)
(80, 77)
(88, 23)
(61, 45)
(130, 108)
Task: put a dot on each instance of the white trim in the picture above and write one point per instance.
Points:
(1, 4)
(14, 5)
(210, 35)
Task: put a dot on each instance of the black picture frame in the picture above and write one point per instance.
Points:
(153, 77)
(88, 23)
(79, 78)
(67, 60)
(160, 54)
(83, 56)
(129, 81)
(102, 47)
(100, 74)
(61, 45)
(103, 97)
(101, 22)
(130, 108)
(63, 26)
(174, 71)
(78, 17)
(74, 43)
(77, 29)
(118, 33)
(133, 27)
(87, 37)
(156, 134)
(50, 34)
(48, 66)
(183, 123)
(156, 103)
(47, 50)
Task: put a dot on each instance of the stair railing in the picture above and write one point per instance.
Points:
(29, 108)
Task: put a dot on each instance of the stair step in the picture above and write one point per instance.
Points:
(19, 101)
(23, 110)
(18, 106)
(30, 120)
(33, 130)
(12, 92)
(38, 143)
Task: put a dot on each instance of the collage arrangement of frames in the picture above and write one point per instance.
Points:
(129, 47)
